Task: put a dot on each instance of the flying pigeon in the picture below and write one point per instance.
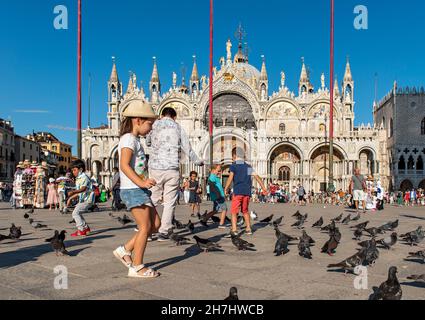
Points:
(277, 222)
(233, 295)
(361, 226)
(338, 219)
(254, 215)
(267, 220)
(124, 220)
(36, 225)
(15, 232)
(304, 249)
(388, 242)
(205, 244)
(388, 290)
(347, 219)
(418, 254)
(417, 277)
(281, 246)
(190, 226)
(330, 246)
(241, 244)
(319, 223)
(57, 242)
(306, 238)
(178, 239)
(350, 263)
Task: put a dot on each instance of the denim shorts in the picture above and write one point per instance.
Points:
(220, 205)
(134, 198)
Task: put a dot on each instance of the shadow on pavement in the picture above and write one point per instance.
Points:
(414, 260)
(416, 284)
(413, 217)
(23, 255)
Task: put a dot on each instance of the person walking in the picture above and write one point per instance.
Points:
(167, 141)
(357, 188)
(116, 202)
(52, 194)
(301, 194)
(194, 190)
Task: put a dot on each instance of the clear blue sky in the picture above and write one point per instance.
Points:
(38, 63)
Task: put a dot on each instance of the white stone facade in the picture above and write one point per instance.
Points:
(284, 134)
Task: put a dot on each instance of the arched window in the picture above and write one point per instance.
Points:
(391, 127)
(154, 88)
(420, 164)
(401, 164)
(282, 128)
(423, 127)
(410, 163)
(284, 174)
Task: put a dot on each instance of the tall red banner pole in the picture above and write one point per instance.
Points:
(79, 136)
(211, 108)
(331, 112)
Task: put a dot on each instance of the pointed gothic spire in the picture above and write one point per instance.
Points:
(347, 75)
(114, 73)
(130, 87)
(155, 75)
(195, 76)
(263, 75)
(336, 88)
(304, 74)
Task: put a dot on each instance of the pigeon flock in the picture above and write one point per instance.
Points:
(375, 238)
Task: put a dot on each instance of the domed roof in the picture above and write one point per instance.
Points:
(247, 70)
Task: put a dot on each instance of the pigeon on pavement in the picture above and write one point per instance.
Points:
(373, 231)
(350, 263)
(178, 239)
(57, 242)
(36, 225)
(371, 254)
(281, 246)
(215, 219)
(347, 219)
(304, 249)
(26, 216)
(241, 244)
(205, 244)
(390, 226)
(388, 242)
(329, 227)
(330, 246)
(361, 226)
(356, 218)
(319, 223)
(358, 234)
(281, 234)
(124, 220)
(388, 290)
(277, 222)
(306, 238)
(190, 226)
(300, 223)
(297, 215)
(177, 224)
(254, 215)
(3, 237)
(418, 254)
(338, 219)
(414, 237)
(267, 220)
(417, 277)
(15, 232)
(233, 294)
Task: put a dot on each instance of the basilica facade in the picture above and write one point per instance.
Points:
(284, 133)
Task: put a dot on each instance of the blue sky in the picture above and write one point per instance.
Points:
(38, 62)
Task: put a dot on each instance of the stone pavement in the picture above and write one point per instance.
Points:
(27, 266)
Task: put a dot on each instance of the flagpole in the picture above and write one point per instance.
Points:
(331, 111)
(79, 136)
(211, 108)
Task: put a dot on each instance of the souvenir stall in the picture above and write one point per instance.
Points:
(40, 186)
(17, 186)
(27, 185)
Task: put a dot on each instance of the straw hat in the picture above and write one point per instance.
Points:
(27, 162)
(34, 164)
(138, 108)
(20, 165)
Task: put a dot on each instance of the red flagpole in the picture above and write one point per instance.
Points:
(79, 137)
(331, 111)
(211, 109)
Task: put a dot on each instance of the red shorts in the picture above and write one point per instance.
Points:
(240, 204)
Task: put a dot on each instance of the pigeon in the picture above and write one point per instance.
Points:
(361, 226)
(417, 277)
(414, 237)
(329, 227)
(124, 220)
(297, 215)
(358, 234)
(304, 249)
(57, 242)
(319, 223)
(330, 246)
(365, 244)
(338, 219)
(26, 216)
(347, 219)
(215, 219)
(336, 234)
(373, 231)
(15, 232)
(388, 242)
(177, 224)
(31, 211)
(418, 254)
(299, 224)
(203, 216)
(36, 225)
(372, 254)
(240, 221)
(388, 290)
(72, 221)
(281, 246)
(241, 244)
(254, 215)
(203, 222)
(205, 244)
(350, 263)
(356, 218)
(390, 226)
(190, 226)
(3, 237)
(227, 220)
(306, 238)
(233, 294)
(178, 239)
(281, 234)
(277, 222)
(267, 220)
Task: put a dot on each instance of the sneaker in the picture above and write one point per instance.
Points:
(80, 233)
(163, 237)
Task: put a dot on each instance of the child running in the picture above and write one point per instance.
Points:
(217, 196)
(138, 118)
(241, 175)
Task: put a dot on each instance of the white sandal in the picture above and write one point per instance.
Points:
(120, 253)
(133, 272)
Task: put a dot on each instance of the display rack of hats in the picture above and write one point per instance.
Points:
(28, 183)
(17, 185)
(40, 178)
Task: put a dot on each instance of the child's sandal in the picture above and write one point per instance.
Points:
(120, 253)
(133, 272)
